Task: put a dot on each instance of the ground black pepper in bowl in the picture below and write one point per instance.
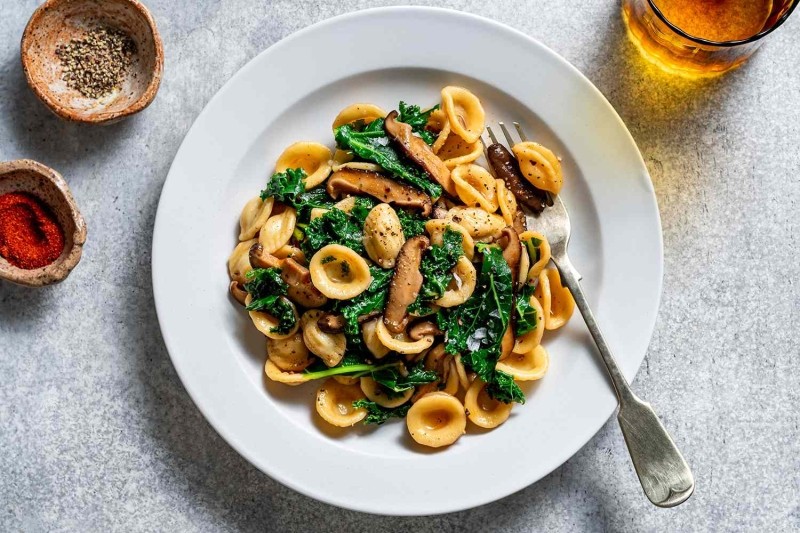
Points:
(95, 64)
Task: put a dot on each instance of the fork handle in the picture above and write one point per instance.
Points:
(663, 472)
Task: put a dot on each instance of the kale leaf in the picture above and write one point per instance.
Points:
(412, 223)
(436, 268)
(476, 328)
(377, 414)
(289, 187)
(362, 208)
(417, 119)
(396, 383)
(334, 227)
(524, 313)
(373, 145)
(267, 289)
(372, 299)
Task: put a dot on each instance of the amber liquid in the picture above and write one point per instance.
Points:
(713, 20)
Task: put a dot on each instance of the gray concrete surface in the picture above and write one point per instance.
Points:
(97, 433)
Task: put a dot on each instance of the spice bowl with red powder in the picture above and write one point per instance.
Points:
(42, 232)
(93, 61)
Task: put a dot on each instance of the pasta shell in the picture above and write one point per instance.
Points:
(464, 113)
(371, 339)
(436, 419)
(335, 403)
(436, 228)
(507, 202)
(528, 366)
(540, 166)
(265, 322)
(287, 378)
(478, 223)
(441, 139)
(530, 340)
(401, 343)
(537, 244)
(456, 151)
(339, 273)
(351, 113)
(383, 235)
(556, 300)
(313, 158)
(278, 230)
(358, 165)
(288, 251)
(463, 285)
(289, 354)
(239, 261)
(475, 187)
(254, 216)
(482, 409)
(377, 394)
(330, 347)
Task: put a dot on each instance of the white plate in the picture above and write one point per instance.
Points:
(291, 92)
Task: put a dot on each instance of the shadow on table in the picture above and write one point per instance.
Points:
(49, 139)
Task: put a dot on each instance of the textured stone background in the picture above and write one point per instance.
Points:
(97, 432)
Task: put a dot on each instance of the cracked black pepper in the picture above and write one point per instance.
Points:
(95, 64)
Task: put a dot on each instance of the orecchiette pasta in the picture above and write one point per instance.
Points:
(277, 230)
(335, 403)
(475, 187)
(313, 158)
(383, 235)
(436, 228)
(556, 300)
(339, 273)
(540, 166)
(375, 393)
(364, 112)
(383, 324)
(239, 261)
(268, 324)
(528, 366)
(437, 419)
(400, 342)
(482, 409)
(464, 113)
(478, 223)
(462, 286)
(254, 216)
(330, 347)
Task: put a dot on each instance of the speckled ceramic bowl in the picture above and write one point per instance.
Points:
(48, 186)
(56, 22)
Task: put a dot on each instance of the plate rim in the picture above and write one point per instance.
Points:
(231, 440)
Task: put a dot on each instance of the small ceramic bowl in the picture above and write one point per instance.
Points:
(48, 186)
(56, 22)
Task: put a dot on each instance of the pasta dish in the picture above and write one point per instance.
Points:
(398, 270)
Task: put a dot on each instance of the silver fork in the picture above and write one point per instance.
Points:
(665, 477)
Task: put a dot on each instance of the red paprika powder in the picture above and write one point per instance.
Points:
(30, 236)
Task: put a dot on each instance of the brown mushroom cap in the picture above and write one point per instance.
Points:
(405, 285)
(346, 181)
(331, 323)
(238, 292)
(301, 288)
(421, 329)
(261, 259)
(509, 241)
(418, 151)
(505, 167)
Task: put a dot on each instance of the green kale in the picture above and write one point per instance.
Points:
(524, 313)
(267, 289)
(436, 268)
(373, 145)
(412, 223)
(476, 328)
(289, 188)
(417, 119)
(372, 299)
(362, 208)
(334, 227)
(377, 414)
(395, 383)
(534, 251)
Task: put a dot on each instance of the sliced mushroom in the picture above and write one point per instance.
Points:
(419, 152)
(508, 240)
(439, 210)
(301, 289)
(421, 329)
(238, 292)
(520, 222)
(261, 259)
(405, 285)
(505, 166)
(333, 323)
(349, 181)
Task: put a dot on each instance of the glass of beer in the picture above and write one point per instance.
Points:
(697, 38)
